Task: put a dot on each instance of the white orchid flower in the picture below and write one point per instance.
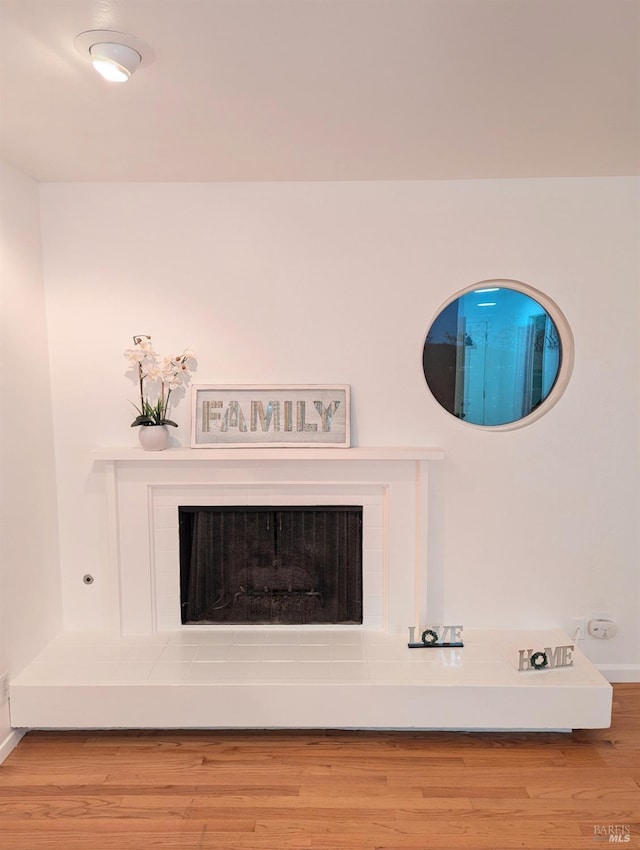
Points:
(179, 359)
(134, 355)
(153, 373)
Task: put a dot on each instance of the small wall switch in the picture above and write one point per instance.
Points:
(602, 629)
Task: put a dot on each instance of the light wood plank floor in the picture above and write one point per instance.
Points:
(325, 790)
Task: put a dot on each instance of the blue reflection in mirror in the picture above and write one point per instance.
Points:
(492, 356)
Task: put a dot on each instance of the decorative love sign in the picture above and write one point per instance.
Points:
(435, 636)
(546, 659)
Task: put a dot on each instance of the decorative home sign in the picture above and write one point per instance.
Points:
(270, 416)
(436, 636)
(546, 659)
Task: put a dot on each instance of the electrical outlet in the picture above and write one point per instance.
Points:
(4, 688)
(602, 629)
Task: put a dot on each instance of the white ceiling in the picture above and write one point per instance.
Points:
(325, 90)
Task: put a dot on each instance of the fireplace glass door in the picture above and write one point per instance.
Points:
(271, 565)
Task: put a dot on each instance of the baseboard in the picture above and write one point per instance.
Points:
(10, 742)
(620, 672)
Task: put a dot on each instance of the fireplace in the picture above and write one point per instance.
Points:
(146, 489)
(278, 565)
(152, 671)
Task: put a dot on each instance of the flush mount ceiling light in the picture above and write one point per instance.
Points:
(114, 55)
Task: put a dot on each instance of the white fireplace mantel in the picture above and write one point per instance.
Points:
(254, 454)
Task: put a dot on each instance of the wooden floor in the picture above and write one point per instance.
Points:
(325, 790)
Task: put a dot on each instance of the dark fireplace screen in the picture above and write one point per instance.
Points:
(274, 565)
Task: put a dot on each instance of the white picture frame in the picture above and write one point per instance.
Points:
(270, 416)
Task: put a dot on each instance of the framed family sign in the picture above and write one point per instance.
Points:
(270, 416)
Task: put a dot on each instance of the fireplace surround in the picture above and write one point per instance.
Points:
(145, 491)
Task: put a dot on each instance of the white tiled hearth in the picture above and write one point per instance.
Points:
(149, 671)
(299, 678)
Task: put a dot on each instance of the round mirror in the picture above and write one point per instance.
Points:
(494, 355)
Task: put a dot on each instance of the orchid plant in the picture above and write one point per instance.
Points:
(157, 379)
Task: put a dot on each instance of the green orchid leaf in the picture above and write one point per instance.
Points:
(142, 420)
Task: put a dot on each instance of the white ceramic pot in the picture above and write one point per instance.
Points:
(153, 438)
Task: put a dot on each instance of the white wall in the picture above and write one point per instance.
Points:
(320, 283)
(30, 598)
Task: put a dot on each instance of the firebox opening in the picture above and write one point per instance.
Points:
(271, 565)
